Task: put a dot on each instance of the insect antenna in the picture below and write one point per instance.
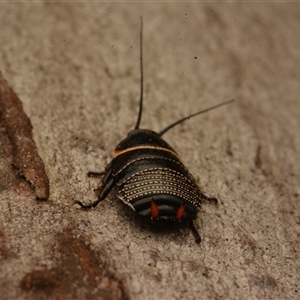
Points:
(137, 125)
(193, 115)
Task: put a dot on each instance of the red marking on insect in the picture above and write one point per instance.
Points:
(180, 212)
(154, 210)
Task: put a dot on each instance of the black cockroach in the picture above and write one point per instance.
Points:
(149, 176)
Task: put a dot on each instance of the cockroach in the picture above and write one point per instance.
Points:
(149, 176)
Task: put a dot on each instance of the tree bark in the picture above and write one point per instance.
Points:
(75, 67)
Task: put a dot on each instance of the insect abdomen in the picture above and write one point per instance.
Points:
(158, 186)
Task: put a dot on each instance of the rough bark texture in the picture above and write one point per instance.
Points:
(76, 68)
(19, 155)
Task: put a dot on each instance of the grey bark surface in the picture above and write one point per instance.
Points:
(75, 66)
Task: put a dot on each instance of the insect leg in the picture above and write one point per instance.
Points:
(96, 174)
(210, 199)
(105, 172)
(195, 232)
(106, 188)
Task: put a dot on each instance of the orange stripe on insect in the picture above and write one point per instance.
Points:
(147, 147)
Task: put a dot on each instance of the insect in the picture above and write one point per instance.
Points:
(148, 174)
